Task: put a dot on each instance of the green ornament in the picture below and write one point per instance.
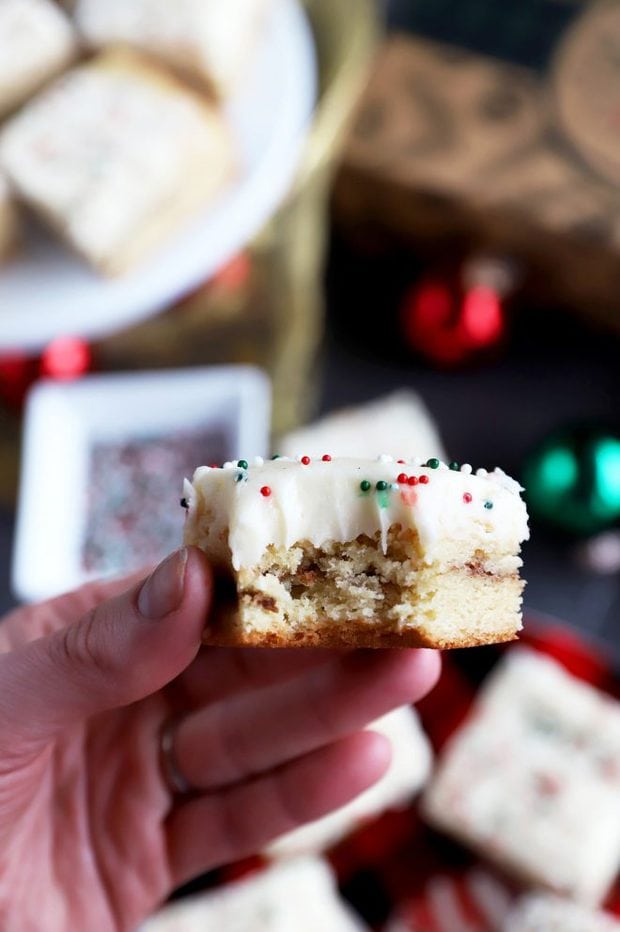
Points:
(381, 485)
(454, 466)
(433, 463)
(365, 485)
(242, 464)
(573, 480)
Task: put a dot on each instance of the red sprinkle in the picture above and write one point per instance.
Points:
(467, 497)
(213, 466)
(305, 460)
(412, 480)
(326, 458)
(266, 491)
(402, 478)
(424, 480)
(402, 462)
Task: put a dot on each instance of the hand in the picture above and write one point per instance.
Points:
(91, 836)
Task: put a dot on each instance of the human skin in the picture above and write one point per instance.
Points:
(91, 835)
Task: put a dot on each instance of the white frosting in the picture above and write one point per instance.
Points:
(101, 151)
(209, 36)
(36, 40)
(324, 501)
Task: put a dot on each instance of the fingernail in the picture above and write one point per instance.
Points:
(162, 592)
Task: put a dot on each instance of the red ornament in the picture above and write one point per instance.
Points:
(265, 491)
(305, 460)
(326, 458)
(424, 480)
(65, 358)
(402, 478)
(450, 324)
(467, 497)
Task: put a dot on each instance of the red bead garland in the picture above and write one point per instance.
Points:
(424, 480)
(402, 478)
(412, 480)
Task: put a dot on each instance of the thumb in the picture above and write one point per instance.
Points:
(122, 650)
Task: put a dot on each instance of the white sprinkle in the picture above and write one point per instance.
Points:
(442, 465)
(417, 461)
(228, 465)
(385, 458)
(481, 472)
(259, 461)
(466, 468)
(395, 486)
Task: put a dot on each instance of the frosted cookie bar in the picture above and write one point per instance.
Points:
(36, 42)
(367, 553)
(209, 39)
(116, 155)
(540, 912)
(532, 780)
(298, 896)
(408, 771)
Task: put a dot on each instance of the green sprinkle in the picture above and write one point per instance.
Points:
(433, 463)
(365, 485)
(242, 464)
(239, 477)
(488, 504)
(276, 456)
(454, 465)
(381, 485)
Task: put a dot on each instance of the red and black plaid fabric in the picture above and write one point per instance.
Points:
(402, 876)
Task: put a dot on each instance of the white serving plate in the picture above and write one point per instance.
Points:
(62, 422)
(46, 292)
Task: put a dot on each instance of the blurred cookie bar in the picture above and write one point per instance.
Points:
(36, 42)
(209, 39)
(298, 896)
(407, 773)
(540, 912)
(117, 155)
(398, 424)
(532, 779)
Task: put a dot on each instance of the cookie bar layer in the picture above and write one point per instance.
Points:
(36, 42)
(206, 39)
(117, 155)
(366, 553)
(532, 779)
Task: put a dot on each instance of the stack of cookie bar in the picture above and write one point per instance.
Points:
(120, 150)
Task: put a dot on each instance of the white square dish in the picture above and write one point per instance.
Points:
(227, 408)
